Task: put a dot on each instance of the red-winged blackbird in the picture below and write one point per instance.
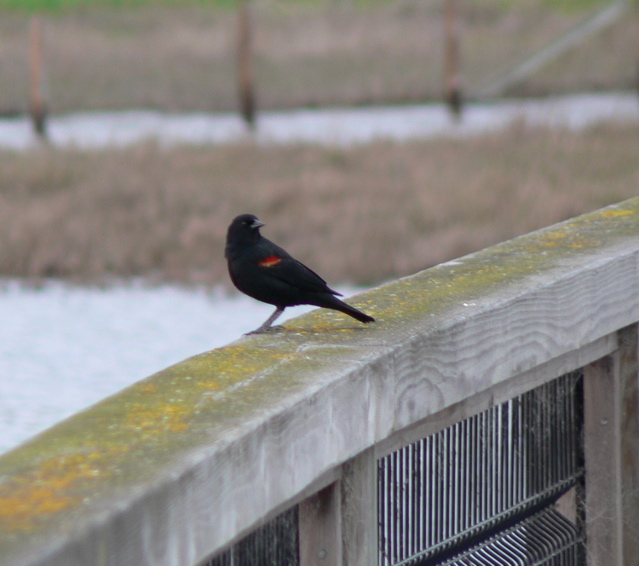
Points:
(264, 271)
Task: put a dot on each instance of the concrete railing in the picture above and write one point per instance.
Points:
(181, 465)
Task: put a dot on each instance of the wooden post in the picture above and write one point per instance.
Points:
(37, 105)
(452, 86)
(636, 17)
(359, 510)
(245, 67)
(338, 525)
(611, 412)
(320, 528)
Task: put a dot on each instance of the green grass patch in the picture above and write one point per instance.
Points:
(61, 5)
(575, 5)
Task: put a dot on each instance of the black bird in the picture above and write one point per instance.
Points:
(264, 271)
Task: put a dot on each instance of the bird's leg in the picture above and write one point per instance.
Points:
(266, 327)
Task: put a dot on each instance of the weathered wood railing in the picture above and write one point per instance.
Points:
(185, 463)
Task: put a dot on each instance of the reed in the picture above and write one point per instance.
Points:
(362, 215)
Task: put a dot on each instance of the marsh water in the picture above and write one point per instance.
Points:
(63, 348)
(335, 126)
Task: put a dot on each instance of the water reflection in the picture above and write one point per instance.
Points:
(98, 130)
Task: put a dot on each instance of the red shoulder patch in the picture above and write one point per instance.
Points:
(270, 261)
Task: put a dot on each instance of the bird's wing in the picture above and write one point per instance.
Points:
(295, 273)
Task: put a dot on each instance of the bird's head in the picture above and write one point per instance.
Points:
(244, 228)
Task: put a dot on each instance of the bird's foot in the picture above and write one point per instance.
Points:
(265, 330)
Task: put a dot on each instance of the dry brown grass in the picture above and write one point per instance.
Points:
(363, 214)
(182, 58)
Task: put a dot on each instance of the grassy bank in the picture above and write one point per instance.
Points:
(180, 55)
(361, 215)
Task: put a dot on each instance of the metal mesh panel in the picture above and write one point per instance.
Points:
(457, 489)
(544, 539)
(274, 544)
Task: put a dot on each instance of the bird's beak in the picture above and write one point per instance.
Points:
(257, 224)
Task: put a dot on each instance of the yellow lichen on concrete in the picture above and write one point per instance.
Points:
(450, 284)
(236, 363)
(46, 489)
(157, 417)
(614, 213)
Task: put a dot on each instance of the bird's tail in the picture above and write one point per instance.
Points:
(332, 302)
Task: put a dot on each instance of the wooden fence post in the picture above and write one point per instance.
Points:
(338, 525)
(452, 80)
(37, 104)
(359, 510)
(245, 64)
(611, 413)
(636, 18)
(320, 528)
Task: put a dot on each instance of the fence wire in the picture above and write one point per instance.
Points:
(274, 544)
(488, 485)
(502, 487)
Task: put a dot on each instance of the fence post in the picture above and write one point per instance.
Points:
(611, 412)
(320, 528)
(245, 66)
(452, 86)
(37, 105)
(359, 510)
(636, 18)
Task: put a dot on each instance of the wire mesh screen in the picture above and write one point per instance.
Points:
(274, 544)
(485, 490)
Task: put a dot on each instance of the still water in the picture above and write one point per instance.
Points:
(333, 126)
(63, 348)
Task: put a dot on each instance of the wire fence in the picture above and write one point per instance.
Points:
(276, 54)
(505, 486)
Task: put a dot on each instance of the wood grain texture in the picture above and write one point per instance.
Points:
(611, 412)
(320, 528)
(602, 451)
(359, 510)
(198, 455)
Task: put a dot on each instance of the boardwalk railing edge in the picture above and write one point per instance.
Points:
(187, 461)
